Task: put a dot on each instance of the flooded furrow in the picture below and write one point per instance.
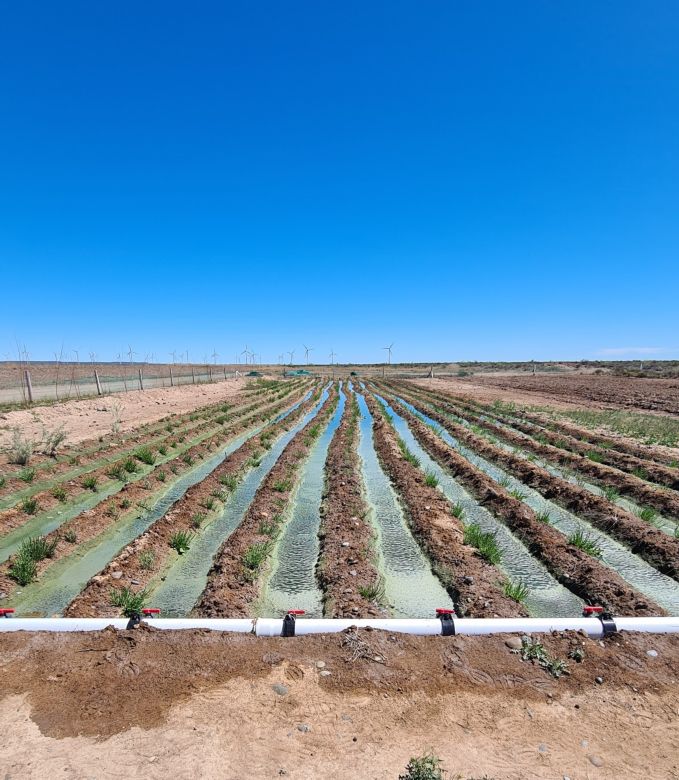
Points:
(184, 582)
(642, 576)
(411, 588)
(546, 596)
(68, 576)
(292, 581)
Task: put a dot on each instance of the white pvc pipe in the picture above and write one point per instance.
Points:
(420, 626)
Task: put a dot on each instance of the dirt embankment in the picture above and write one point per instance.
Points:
(474, 585)
(124, 504)
(73, 487)
(659, 395)
(574, 569)
(190, 513)
(655, 546)
(233, 585)
(345, 563)
(203, 704)
(83, 420)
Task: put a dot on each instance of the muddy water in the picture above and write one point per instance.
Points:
(292, 581)
(647, 580)
(411, 588)
(186, 579)
(546, 596)
(68, 576)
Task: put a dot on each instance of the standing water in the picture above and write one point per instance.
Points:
(185, 581)
(546, 597)
(411, 588)
(292, 582)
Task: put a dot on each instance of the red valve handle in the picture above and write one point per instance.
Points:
(6, 611)
(591, 610)
(295, 612)
(445, 611)
(153, 611)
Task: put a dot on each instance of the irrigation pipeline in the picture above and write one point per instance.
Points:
(289, 626)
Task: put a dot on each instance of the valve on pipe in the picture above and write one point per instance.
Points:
(606, 619)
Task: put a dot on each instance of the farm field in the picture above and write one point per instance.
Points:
(373, 496)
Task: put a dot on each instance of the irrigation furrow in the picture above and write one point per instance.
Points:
(64, 514)
(546, 596)
(599, 581)
(291, 581)
(662, 499)
(654, 546)
(65, 468)
(218, 576)
(472, 583)
(346, 572)
(68, 575)
(149, 558)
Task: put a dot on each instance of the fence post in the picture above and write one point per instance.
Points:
(209, 372)
(141, 381)
(225, 373)
(171, 378)
(29, 386)
(193, 376)
(96, 379)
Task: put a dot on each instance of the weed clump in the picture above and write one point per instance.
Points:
(484, 541)
(129, 602)
(532, 650)
(426, 767)
(430, 479)
(585, 542)
(181, 541)
(21, 449)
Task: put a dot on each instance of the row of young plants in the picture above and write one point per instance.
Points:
(661, 499)
(586, 424)
(462, 557)
(571, 561)
(648, 542)
(137, 462)
(30, 479)
(143, 561)
(346, 571)
(133, 499)
(235, 578)
(639, 468)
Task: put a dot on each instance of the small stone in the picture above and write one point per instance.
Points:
(596, 760)
(346, 544)
(353, 573)
(320, 664)
(652, 653)
(427, 507)
(514, 643)
(281, 690)
(304, 728)
(584, 743)
(135, 582)
(542, 748)
(325, 673)
(116, 575)
(599, 680)
(468, 580)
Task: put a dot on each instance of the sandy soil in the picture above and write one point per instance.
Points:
(88, 419)
(235, 707)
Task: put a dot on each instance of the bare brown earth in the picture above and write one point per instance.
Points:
(231, 588)
(345, 558)
(656, 547)
(574, 569)
(605, 391)
(87, 419)
(126, 567)
(235, 706)
(474, 585)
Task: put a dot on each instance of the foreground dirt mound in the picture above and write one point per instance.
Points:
(149, 703)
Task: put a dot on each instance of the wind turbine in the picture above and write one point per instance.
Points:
(131, 353)
(281, 358)
(173, 354)
(332, 356)
(306, 352)
(292, 353)
(214, 355)
(246, 353)
(389, 351)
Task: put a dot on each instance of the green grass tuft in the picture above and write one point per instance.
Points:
(484, 541)
(585, 542)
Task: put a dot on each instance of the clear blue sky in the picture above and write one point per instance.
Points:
(468, 180)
